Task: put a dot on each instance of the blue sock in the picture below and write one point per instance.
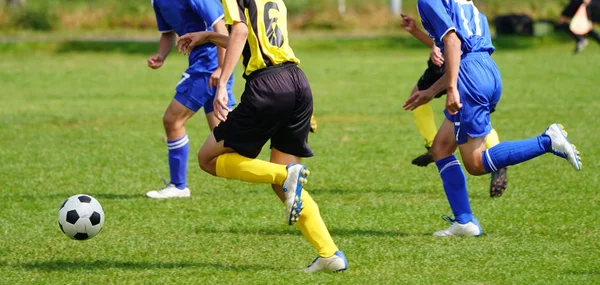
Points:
(455, 186)
(178, 157)
(514, 152)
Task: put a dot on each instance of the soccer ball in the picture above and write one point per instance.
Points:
(81, 217)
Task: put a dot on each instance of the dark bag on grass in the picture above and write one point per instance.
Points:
(514, 24)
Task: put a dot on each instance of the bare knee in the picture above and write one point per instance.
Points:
(441, 149)
(207, 163)
(474, 167)
(171, 123)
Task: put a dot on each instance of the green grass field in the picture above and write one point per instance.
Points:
(80, 121)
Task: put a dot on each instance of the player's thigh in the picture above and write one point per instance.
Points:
(177, 113)
(471, 152)
(212, 120)
(444, 143)
(292, 136)
(480, 89)
(263, 109)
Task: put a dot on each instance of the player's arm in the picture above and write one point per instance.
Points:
(188, 41)
(165, 44)
(408, 23)
(452, 56)
(235, 46)
(441, 26)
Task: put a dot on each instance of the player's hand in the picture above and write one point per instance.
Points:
(436, 56)
(220, 105)
(156, 61)
(587, 2)
(453, 101)
(186, 43)
(408, 23)
(214, 78)
(417, 99)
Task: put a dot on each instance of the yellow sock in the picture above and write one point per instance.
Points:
(235, 166)
(492, 139)
(425, 123)
(313, 228)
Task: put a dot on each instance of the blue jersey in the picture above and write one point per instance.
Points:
(186, 16)
(461, 16)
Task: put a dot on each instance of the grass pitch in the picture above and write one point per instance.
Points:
(76, 121)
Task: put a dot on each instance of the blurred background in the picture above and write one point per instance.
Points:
(117, 17)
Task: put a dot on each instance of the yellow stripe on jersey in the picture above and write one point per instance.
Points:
(268, 42)
(233, 13)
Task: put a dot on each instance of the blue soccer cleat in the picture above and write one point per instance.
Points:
(561, 146)
(336, 263)
(471, 228)
(292, 188)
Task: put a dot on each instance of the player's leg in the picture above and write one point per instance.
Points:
(425, 122)
(288, 144)
(423, 116)
(230, 151)
(476, 125)
(310, 222)
(454, 182)
(174, 119)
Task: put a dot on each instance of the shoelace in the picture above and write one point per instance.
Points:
(448, 219)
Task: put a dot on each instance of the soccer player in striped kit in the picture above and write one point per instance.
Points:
(276, 105)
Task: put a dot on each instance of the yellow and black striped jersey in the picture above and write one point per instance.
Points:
(268, 42)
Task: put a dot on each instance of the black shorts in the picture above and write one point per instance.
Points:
(432, 74)
(277, 105)
(571, 8)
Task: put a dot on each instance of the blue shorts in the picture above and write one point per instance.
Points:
(194, 93)
(480, 88)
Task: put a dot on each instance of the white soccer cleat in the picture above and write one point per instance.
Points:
(292, 188)
(170, 191)
(335, 263)
(471, 228)
(561, 145)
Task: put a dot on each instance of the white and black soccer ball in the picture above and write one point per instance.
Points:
(81, 217)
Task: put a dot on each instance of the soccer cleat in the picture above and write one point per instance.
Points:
(336, 263)
(561, 146)
(423, 159)
(313, 124)
(471, 228)
(170, 191)
(580, 45)
(498, 182)
(292, 188)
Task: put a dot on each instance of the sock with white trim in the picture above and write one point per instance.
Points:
(514, 152)
(178, 157)
(455, 186)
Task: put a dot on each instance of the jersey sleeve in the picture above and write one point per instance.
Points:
(210, 11)
(163, 26)
(437, 19)
(234, 11)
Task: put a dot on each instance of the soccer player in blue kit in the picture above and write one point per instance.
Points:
(474, 87)
(197, 86)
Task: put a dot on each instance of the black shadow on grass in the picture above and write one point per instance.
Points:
(358, 190)
(583, 272)
(117, 196)
(72, 265)
(294, 231)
